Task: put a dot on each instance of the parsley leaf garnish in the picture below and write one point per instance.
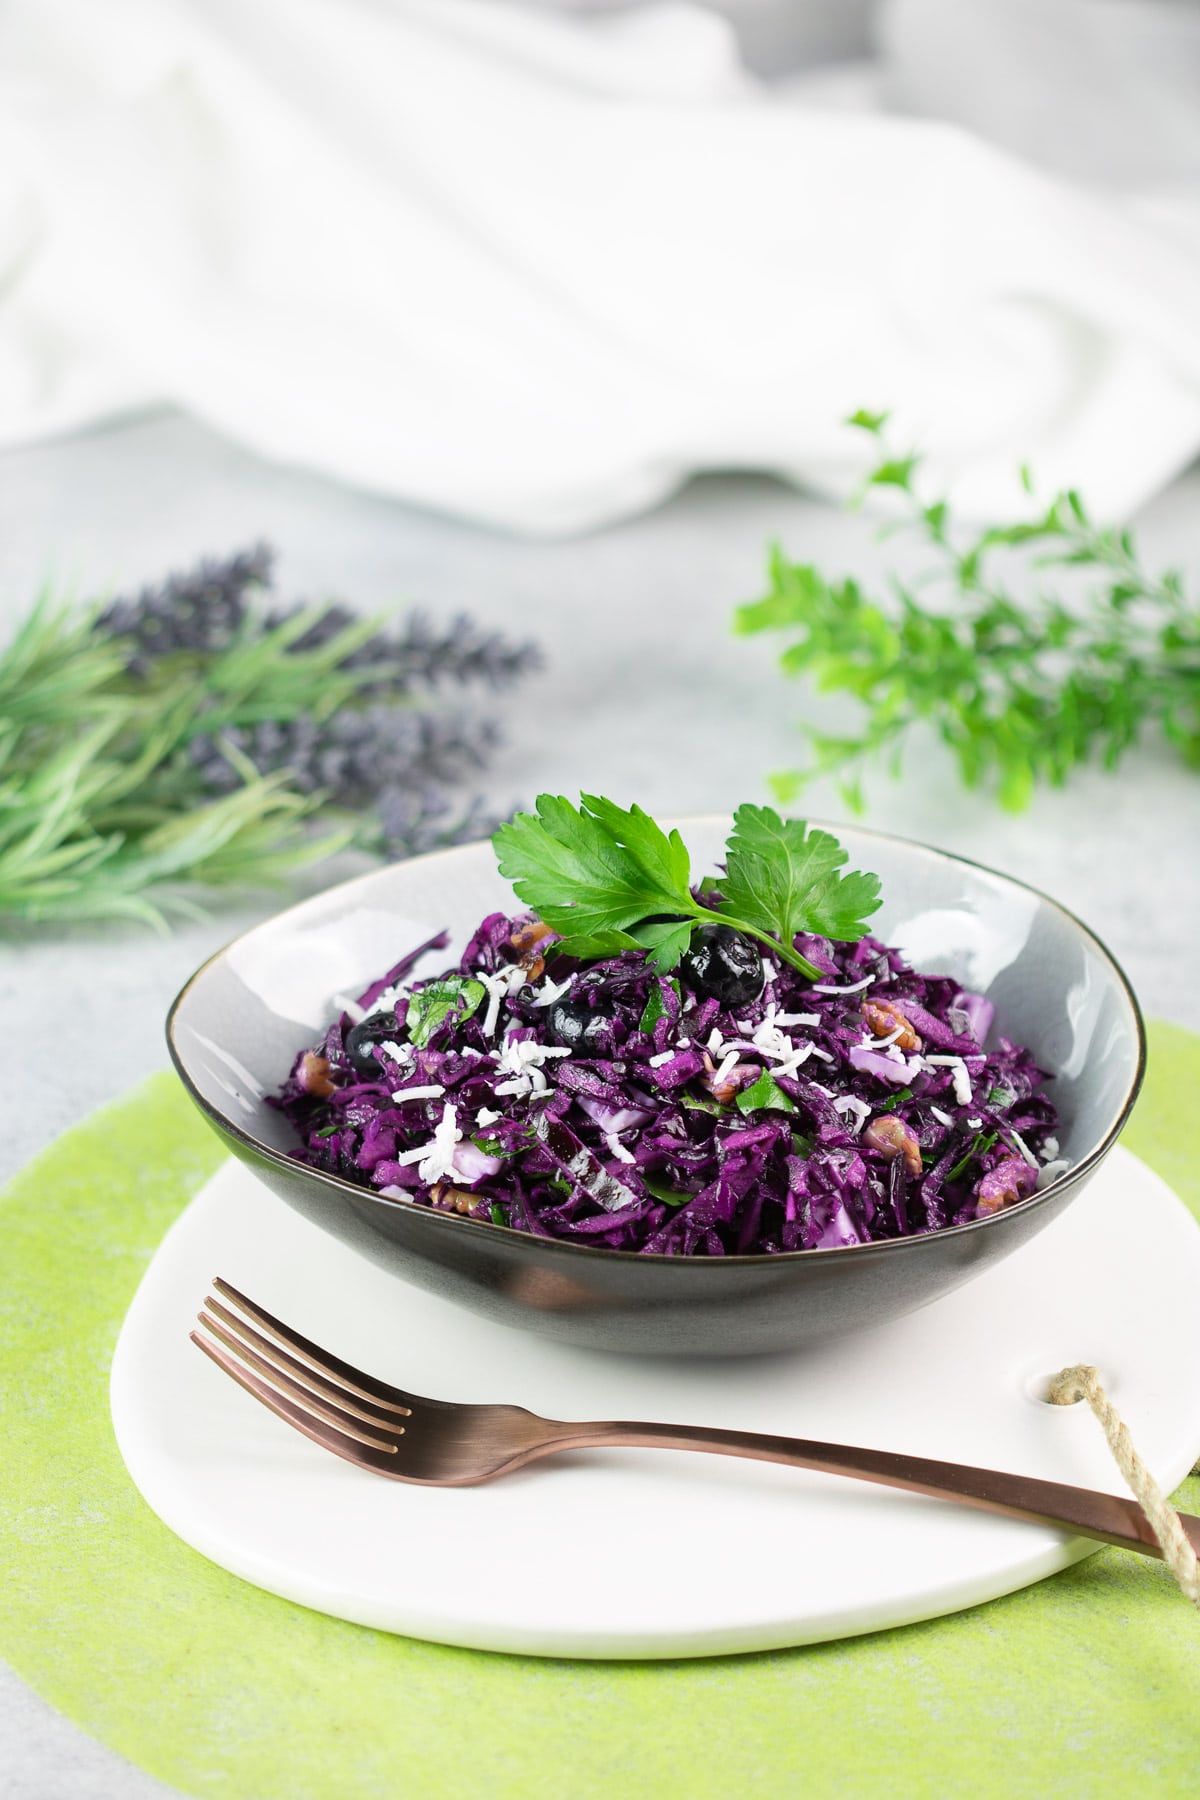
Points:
(784, 878)
(609, 879)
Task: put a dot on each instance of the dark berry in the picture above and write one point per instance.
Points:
(579, 1026)
(723, 966)
(378, 1028)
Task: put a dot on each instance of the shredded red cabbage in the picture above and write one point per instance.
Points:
(606, 1104)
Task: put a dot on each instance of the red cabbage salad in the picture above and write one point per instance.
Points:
(755, 1095)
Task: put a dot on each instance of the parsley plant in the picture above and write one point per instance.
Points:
(1021, 690)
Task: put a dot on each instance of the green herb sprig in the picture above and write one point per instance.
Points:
(1021, 690)
(609, 879)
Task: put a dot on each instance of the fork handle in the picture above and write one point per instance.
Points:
(1085, 1512)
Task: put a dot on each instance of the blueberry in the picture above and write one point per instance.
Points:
(579, 1026)
(377, 1028)
(723, 966)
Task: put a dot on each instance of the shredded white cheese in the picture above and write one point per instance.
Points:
(435, 1160)
(550, 991)
(433, 1092)
(485, 1116)
(797, 1018)
(499, 986)
(663, 1057)
(386, 1001)
(853, 987)
(963, 1091)
(943, 1118)
(522, 1059)
(851, 1103)
(1022, 1146)
(618, 1149)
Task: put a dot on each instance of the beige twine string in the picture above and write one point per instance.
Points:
(1083, 1383)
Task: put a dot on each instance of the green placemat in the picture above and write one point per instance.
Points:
(1084, 1685)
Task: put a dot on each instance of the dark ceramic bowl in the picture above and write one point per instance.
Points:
(237, 1025)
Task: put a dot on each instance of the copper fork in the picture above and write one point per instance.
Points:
(440, 1443)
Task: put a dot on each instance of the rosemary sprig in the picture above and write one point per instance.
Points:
(193, 739)
(1021, 682)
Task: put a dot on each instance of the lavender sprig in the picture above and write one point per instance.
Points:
(195, 734)
(199, 612)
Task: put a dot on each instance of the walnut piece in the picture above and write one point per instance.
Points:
(884, 1018)
(527, 939)
(458, 1198)
(893, 1138)
(314, 1075)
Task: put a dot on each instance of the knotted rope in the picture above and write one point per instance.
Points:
(1083, 1383)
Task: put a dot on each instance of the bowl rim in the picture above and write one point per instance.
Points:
(1071, 1177)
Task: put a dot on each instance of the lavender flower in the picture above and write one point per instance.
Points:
(200, 611)
(393, 756)
(354, 756)
(417, 655)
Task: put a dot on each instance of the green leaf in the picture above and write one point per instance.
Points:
(765, 1093)
(433, 1004)
(656, 1007)
(895, 472)
(868, 421)
(491, 1146)
(979, 1146)
(784, 878)
(590, 872)
(606, 878)
(663, 1191)
(666, 940)
(703, 1103)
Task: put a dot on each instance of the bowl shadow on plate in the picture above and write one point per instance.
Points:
(237, 1025)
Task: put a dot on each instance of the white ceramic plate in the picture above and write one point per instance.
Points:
(635, 1553)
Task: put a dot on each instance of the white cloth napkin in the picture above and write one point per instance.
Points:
(538, 269)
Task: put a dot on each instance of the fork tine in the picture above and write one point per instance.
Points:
(325, 1436)
(355, 1381)
(233, 1360)
(302, 1372)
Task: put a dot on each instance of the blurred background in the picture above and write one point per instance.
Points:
(536, 264)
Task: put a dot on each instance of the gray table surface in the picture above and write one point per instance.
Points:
(644, 696)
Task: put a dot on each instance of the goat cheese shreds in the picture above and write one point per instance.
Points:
(500, 986)
(959, 1075)
(435, 1160)
(550, 991)
(617, 1107)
